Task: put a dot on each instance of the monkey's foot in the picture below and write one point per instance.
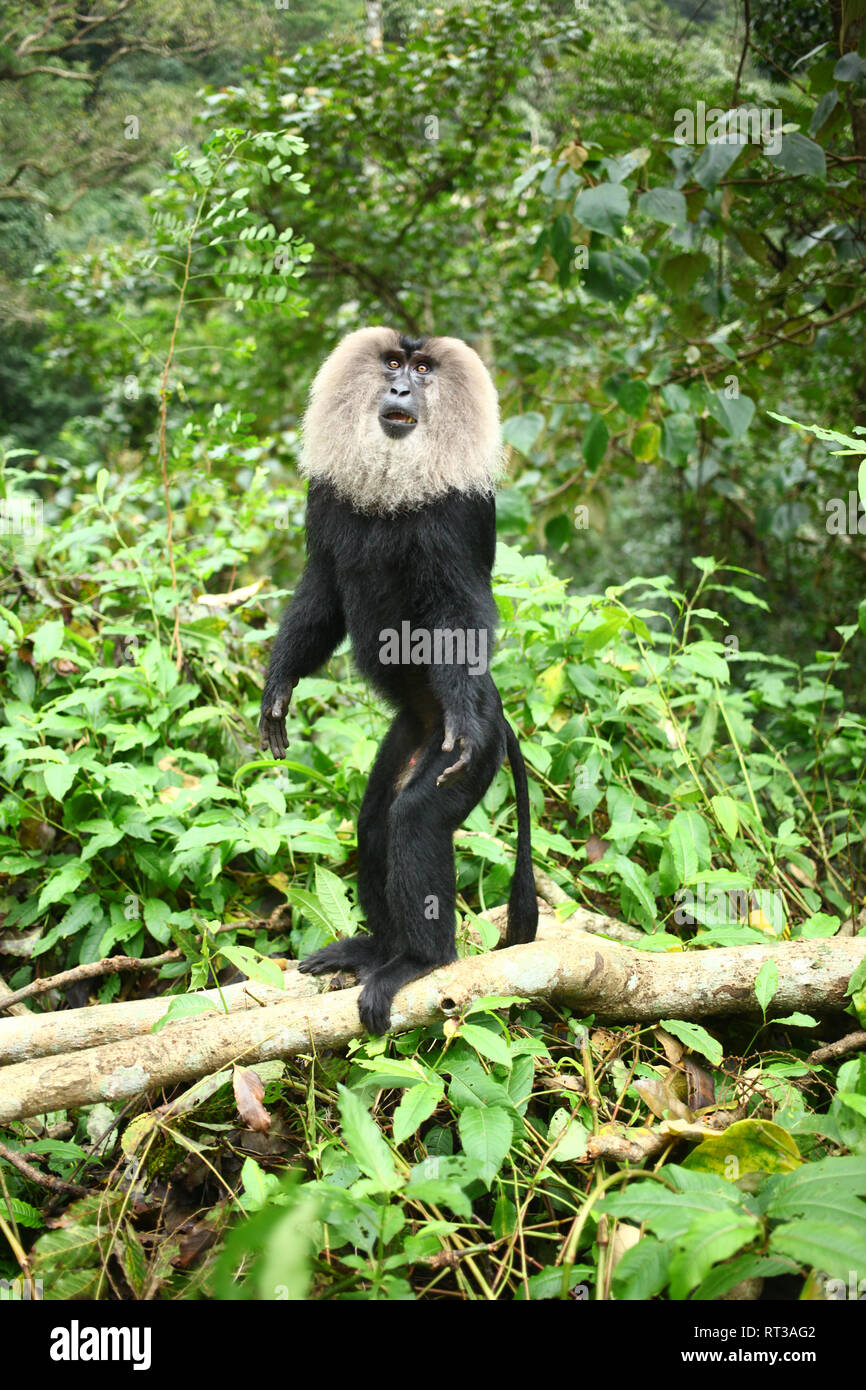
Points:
(382, 984)
(356, 954)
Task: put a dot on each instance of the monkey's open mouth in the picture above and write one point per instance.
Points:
(397, 423)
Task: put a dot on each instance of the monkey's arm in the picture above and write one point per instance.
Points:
(310, 628)
(468, 604)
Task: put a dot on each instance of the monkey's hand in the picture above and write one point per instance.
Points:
(458, 769)
(272, 723)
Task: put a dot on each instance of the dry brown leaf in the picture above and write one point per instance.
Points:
(249, 1092)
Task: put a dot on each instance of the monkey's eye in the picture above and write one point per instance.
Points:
(422, 367)
(393, 363)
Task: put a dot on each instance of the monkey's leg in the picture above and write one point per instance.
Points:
(361, 954)
(421, 886)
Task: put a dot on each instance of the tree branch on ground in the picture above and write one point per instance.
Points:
(585, 972)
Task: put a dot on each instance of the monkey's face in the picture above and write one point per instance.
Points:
(394, 422)
(407, 374)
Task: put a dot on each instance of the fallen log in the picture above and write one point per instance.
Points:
(70, 1030)
(589, 973)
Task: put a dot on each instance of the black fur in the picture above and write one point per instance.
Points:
(366, 573)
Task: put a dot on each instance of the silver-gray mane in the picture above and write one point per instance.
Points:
(456, 443)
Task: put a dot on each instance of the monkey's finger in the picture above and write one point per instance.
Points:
(274, 736)
(456, 769)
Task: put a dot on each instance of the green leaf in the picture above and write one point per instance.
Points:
(689, 845)
(334, 898)
(711, 1238)
(572, 1136)
(416, 1106)
(365, 1143)
(727, 814)
(835, 1248)
(595, 440)
(632, 396)
(679, 437)
(486, 1134)
(253, 965)
(642, 1271)
(522, 431)
(749, 1146)
(680, 272)
(850, 67)
(694, 1037)
(766, 984)
(602, 209)
(646, 442)
(615, 277)
(734, 413)
(826, 106)
(59, 778)
(185, 1006)
(715, 160)
(61, 884)
(663, 205)
(723, 1278)
(312, 909)
(47, 641)
(800, 155)
(489, 1044)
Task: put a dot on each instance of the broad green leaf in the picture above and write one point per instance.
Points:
(646, 442)
(595, 440)
(727, 814)
(416, 1106)
(715, 160)
(615, 277)
(836, 1248)
(603, 208)
(47, 641)
(491, 1045)
(766, 983)
(185, 1006)
(486, 1133)
(696, 1038)
(711, 1238)
(59, 778)
(333, 896)
(642, 1271)
(681, 271)
(571, 1134)
(800, 155)
(253, 965)
(632, 396)
(734, 413)
(62, 883)
(522, 431)
(663, 205)
(365, 1143)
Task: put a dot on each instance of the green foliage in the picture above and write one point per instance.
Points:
(510, 173)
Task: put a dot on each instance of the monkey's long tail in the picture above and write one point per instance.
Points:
(522, 903)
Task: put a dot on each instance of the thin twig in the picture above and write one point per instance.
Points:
(112, 965)
(43, 1179)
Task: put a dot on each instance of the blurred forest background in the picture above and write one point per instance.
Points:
(196, 202)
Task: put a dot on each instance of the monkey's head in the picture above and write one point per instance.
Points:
(394, 422)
